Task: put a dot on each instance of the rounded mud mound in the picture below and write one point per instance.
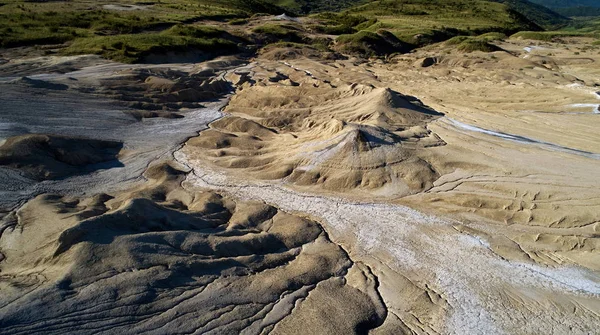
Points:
(52, 157)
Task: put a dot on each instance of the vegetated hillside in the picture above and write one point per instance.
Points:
(578, 11)
(572, 8)
(534, 12)
(124, 31)
(420, 22)
(538, 14)
(133, 31)
(315, 6)
(568, 3)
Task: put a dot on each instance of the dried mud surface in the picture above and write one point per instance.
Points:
(431, 193)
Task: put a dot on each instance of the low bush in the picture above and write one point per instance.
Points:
(471, 45)
(278, 32)
(369, 44)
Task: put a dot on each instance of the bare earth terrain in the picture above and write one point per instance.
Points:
(434, 193)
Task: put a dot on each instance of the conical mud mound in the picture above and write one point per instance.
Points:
(332, 138)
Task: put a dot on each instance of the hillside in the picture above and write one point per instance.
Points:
(134, 31)
(421, 22)
(567, 3)
(539, 14)
(315, 6)
(573, 7)
(536, 13)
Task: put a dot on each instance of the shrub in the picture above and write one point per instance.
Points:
(456, 40)
(371, 44)
(278, 32)
(472, 45)
(195, 31)
(238, 22)
(493, 36)
(534, 35)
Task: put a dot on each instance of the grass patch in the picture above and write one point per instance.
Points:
(342, 23)
(472, 45)
(479, 43)
(237, 22)
(549, 36)
(10, 39)
(39, 22)
(131, 48)
(30, 24)
(370, 44)
(196, 31)
(423, 22)
(334, 30)
(493, 36)
(457, 40)
(315, 6)
(534, 35)
(273, 33)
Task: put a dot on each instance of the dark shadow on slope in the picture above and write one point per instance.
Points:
(44, 157)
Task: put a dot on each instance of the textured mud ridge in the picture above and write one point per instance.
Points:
(161, 260)
(289, 124)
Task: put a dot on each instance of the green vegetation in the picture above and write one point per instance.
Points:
(369, 44)
(456, 40)
(572, 8)
(322, 46)
(34, 23)
(567, 3)
(24, 26)
(279, 32)
(131, 31)
(537, 14)
(493, 36)
(550, 35)
(478, 43)
(338, 24)
(473, 44)
(535, 35)
(130, 48)
(237, 22)
(422, 22)
(580, 27)
(584, 26)
(578, 11)
(281, 35)
(300, 7)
